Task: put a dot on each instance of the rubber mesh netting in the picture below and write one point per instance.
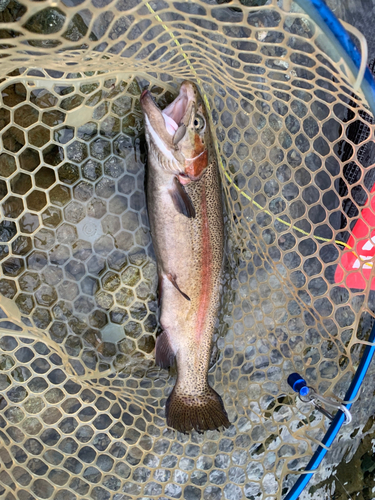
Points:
(82, 402)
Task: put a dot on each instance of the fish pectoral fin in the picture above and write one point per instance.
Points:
(181, 200)
(164, 353)
(172, 279)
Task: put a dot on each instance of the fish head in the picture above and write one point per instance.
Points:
(179, 135)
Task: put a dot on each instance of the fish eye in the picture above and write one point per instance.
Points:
(199, 122)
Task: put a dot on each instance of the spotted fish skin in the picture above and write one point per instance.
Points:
(186, 219)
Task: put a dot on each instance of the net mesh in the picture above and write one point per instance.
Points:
(82, 402)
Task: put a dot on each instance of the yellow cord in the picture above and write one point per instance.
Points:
(158, 18)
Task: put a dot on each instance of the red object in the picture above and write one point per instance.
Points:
(362, 242)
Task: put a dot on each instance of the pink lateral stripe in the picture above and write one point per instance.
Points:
(206, 274)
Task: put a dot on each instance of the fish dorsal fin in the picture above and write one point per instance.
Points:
(181, 200)
(164, 353)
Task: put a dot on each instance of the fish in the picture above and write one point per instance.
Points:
(187, 230)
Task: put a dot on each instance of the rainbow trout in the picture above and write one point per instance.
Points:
(186, 219)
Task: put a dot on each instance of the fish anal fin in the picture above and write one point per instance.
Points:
(172, 279)
(181, 199)
(164, 353)
(201, 412)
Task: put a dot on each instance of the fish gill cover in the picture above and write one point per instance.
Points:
(82, 402)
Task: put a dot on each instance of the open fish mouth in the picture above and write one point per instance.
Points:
(176, 112)
(166, 122)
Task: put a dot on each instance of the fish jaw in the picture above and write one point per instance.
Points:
(173, 136)
(155, 124)
(159, 141)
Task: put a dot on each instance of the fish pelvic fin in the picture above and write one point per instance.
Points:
(173, 280)
(201, 412)
(164, 353)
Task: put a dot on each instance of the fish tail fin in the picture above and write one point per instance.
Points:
(201, 412)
